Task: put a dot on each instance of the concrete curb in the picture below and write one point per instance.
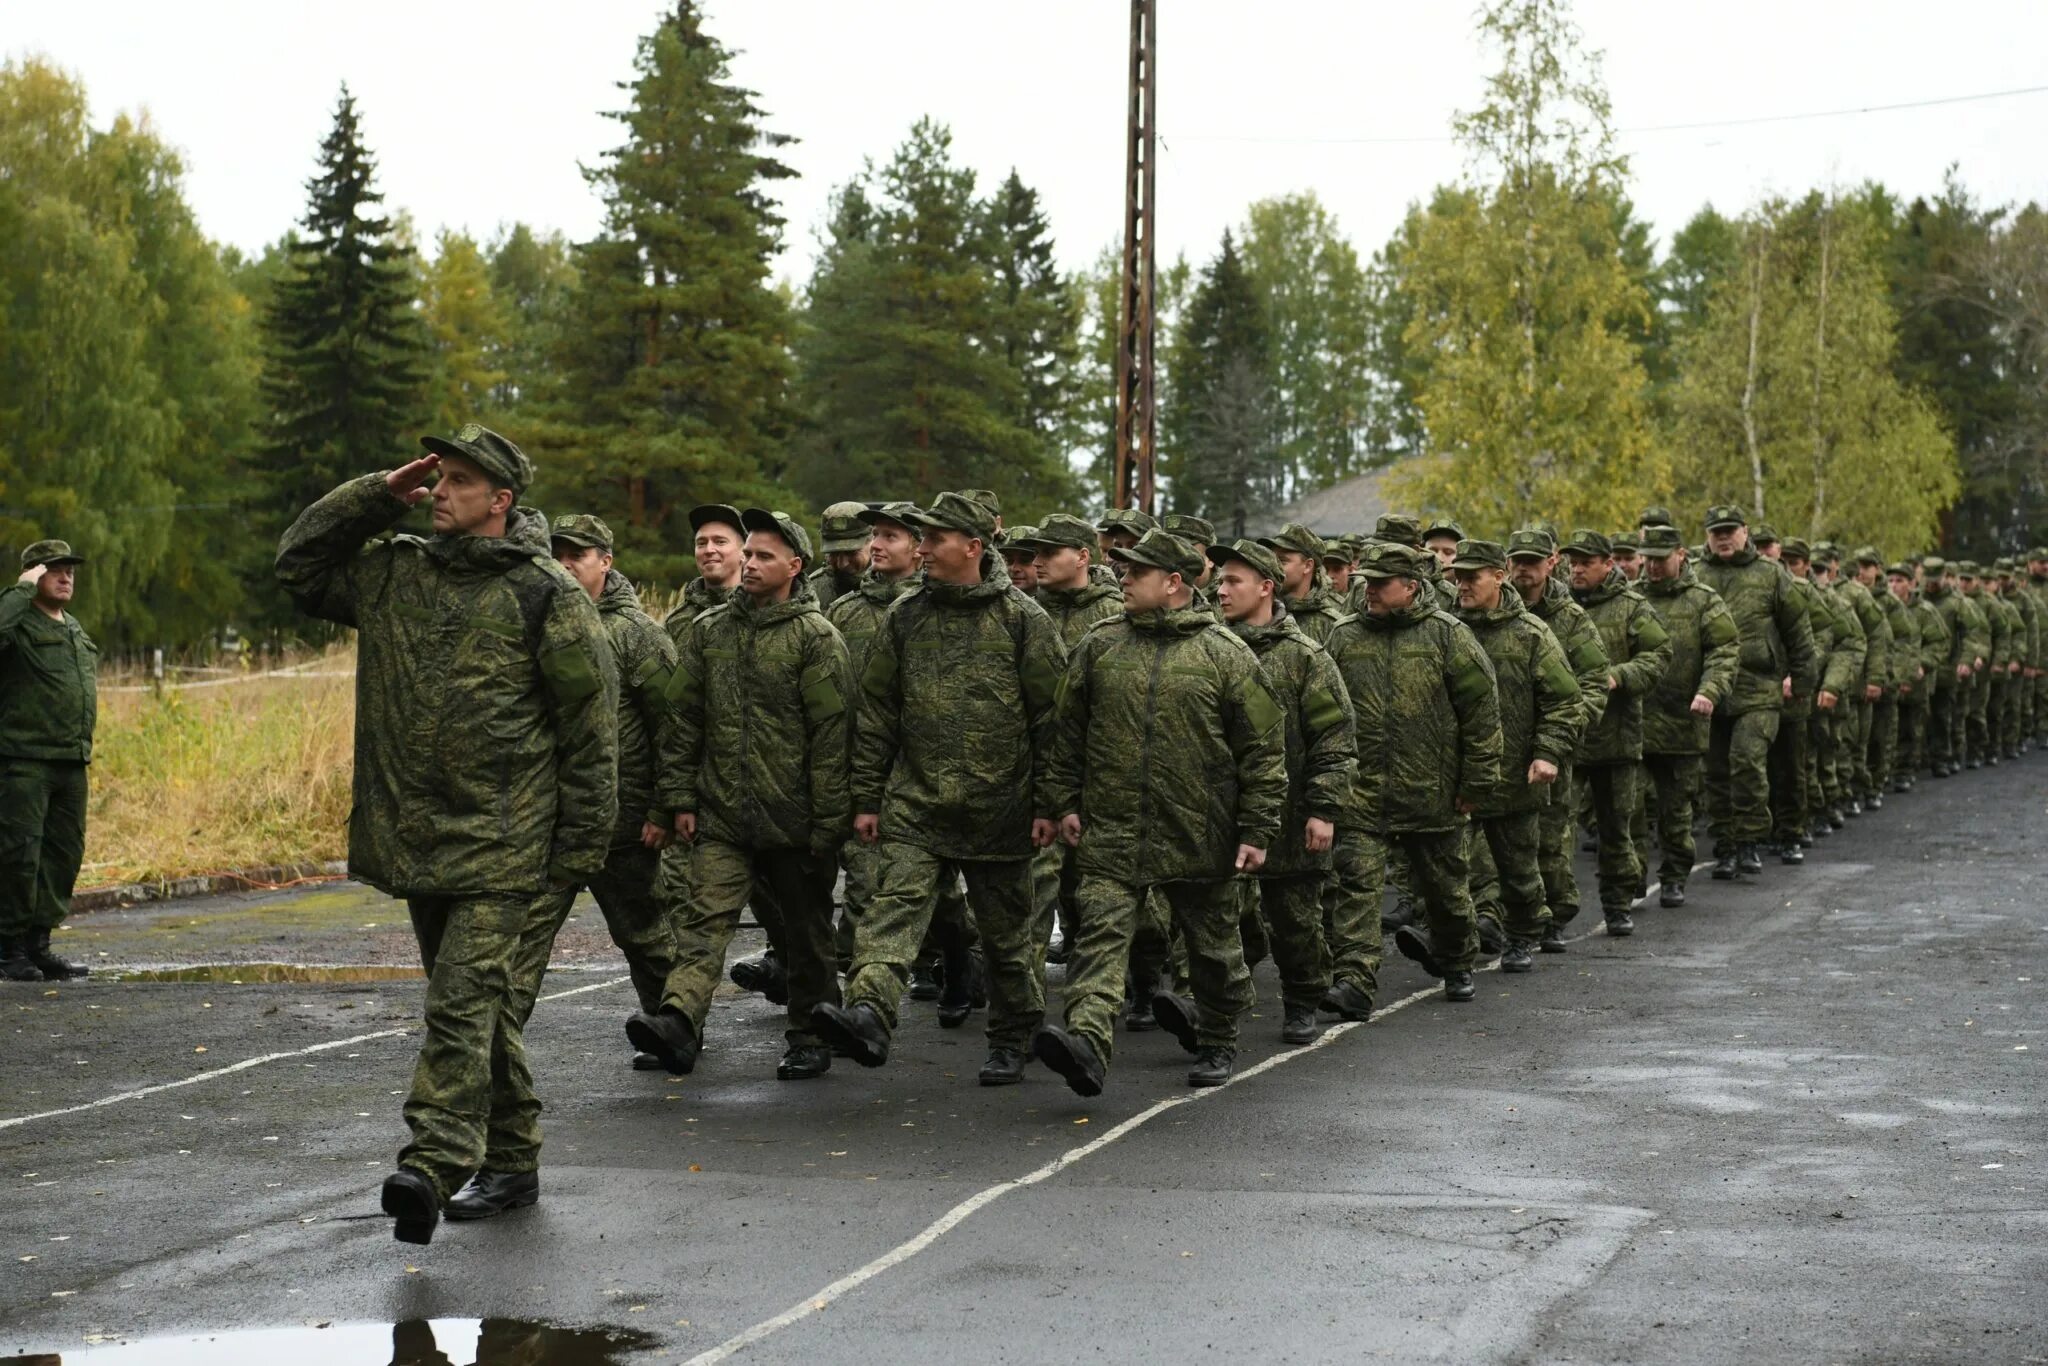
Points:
(207, 884)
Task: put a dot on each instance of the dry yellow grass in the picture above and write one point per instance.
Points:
(234, 774)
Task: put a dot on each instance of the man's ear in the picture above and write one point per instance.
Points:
(508, 497)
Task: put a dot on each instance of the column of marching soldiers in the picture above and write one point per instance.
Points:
(1124, 747)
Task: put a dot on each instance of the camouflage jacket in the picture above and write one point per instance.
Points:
(1428, 719)
(2038, 589)
(1702, 664)
(646, 658)
(760, 697)
(1934, 642)
(2005, 627)
(956, 720)
(857, 616)
(486, 756)
(1074, 610)
(1638, 651)
(1877, 635)
(1821, 614)
(1320, 748)
(1580, 640)
(49, 693)
(1171, 749)
(828, 588)
(699, 597)
(2021, 600)
(1774, 638)
(1969, 637)
(1315, 614)
(1902, 663)
(1843, 666)
(1541, 714)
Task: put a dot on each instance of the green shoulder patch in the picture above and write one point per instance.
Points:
(570, 673)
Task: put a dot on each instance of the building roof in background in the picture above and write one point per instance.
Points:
(1339, 510)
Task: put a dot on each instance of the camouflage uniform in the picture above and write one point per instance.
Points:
(48, 706)
(1429, 741)
(1172, 752)
(1843, 673)
(1796, 795)
(760, 694)
(1984, 683)
(485, 776)
(1580, 639)
(1857, 711)
(1541, 717)
(1610, 754)
(1916, 718)
(1968, 642)
(1318, 610)
(845, 530)
(955, 725)
(1774, 640)
(1703, 655)
(2037, 586)
(1897, 677)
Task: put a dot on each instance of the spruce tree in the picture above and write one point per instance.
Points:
(1217, 449)
(1036, 315)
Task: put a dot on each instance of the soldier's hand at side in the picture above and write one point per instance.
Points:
(1872, 691)
(1702, 705)
(1250, 858)
(1042, 833)
(408, 483)
(652, 836)
(1826, 701)
(1962, 671)
(1319, 835)
(1787, 689)
(867, 827)
(33, 574)
(1070, 829)
(1541, 771)
(686, 826)
(1612, 682)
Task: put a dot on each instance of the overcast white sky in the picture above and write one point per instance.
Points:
(479, 113)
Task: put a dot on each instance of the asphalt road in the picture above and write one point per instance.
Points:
(1800, 1120)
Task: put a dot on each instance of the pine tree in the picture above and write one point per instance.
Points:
(533, 276)
(468, 331)
(1217, 449)
(345, 351)
(1035, 315)
(673, 370)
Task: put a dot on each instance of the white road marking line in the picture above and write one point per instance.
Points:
(247, 1063)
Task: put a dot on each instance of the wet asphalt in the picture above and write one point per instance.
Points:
(1801, 1119)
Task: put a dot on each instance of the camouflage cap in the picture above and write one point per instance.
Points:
(987, 498)
(1827, 552)
(581, 529)
(779, 524)
(1628, 541)
(1902, 569)
(1060, 529)
(2003, 564)
(49, 552)
(955, 512)
(1393, 560)
(2039, 552)
(1134, 520)
(1660, 541)
(1967, 569)
(1443, 526)
(843, 527)
(1296, 537)
(1016, 540)
(1480, 555)
(497, 457)
(1763, 533)
(1656, 516)
(1262, 560)
(720, 514)
(1724, 515)
(1189, 527)
(1934, 566)
(1796, 548)
(1342, 550)
(1398, 528)
(1531, 543)
(1867, 554)
(1161, 550)
(897, 513)
(1588, 542)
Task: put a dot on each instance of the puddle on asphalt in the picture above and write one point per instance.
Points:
(233, 973)
(416, 1342)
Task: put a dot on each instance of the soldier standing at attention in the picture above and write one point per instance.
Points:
(1170, 772)
(1774, 659)
(758, 785)
(951, 779)
(1429, 754)
(49, 701)
(1931, 657)
(1200, 534)
(1968, 641)
(486, 779)
(845, 544)
(1678, 713)
(1303, 589)
(1901, 671)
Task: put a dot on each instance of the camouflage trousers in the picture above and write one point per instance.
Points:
(628, 892)
(472, 1104)
(1881, 743)
(1823, 763)
(799, 922)
(1855, 727)
(1000, 893)
(1611, 790)
(1054, 882)
(1791, 775)
(1673, 788)
(862, 864)
(1945, 723)
(1554, 847)
(1911, 754)
(1099, 956)
(1738, 777)
(1977, 717)
(1510, 843)
(1283, 915)
(1442, 883)
(42, 842)
(2008, 693)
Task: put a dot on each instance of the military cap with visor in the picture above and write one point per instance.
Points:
(51, 553)
(582, 530)
(1016, 540)
(1161, 550)
(1531, 543)
(1934, 566)
(1626, 542)
(1763, 533)
(1398, 528)
(1796, 548)
(843, 527)
(1261, 559)
(897, 513)
(717, 514)
(1656, 516)
(986, 497)
(955, 512)
(1443, 526)
(1660, 541)
(1867, 554)
(1296, 537)
(1902, 569)
(1480, 555)
(1059, 530)
(1721, 516)
(1588, 542)
(1189, 527)
(1967, 569)
(1134, 520)
(779, 524)
(504, 463)
(1392, 560)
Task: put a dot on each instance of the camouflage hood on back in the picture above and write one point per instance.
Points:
(1075, 610)
(646, 659)
(1318, 727)
(1541, 716)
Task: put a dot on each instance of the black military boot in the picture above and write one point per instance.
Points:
(1671, 892)
(803, 1062)
(1175, 1014)
(1836, 820)
(409, 1198)
(668, 1035)
(765, 975)
(1298, 1024)
(1724, 865)
(1518, 956)
(1790, 852)
(1458, 986)
(489, 1193)
(854, 1031)
(1415, 945)
(956, 997)
(1749, 860)
(647, 1062)
(1874, 802)
(1553, 939)
(1005, 1067)
(1620, 924)
(53, 968)
(1213, 1067)
(1853, 807)
(1070, 1055)
(924, 983)
(1347, 1000)
(14, 963)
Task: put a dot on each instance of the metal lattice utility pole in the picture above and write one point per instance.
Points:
(1134, 388)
